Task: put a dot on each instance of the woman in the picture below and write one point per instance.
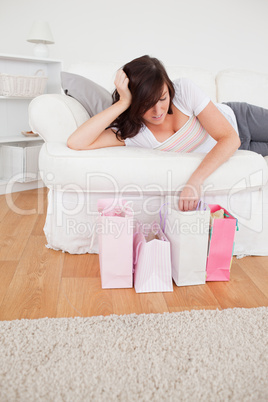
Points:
(149, 110)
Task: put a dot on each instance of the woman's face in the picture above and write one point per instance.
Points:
(157, 113)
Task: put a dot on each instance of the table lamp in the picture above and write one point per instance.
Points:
(41, 35)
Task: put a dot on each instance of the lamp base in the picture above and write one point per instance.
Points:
(41, 50)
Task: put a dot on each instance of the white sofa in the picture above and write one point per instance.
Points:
(77, 179)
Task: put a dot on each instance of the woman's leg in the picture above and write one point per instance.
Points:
(252, 124)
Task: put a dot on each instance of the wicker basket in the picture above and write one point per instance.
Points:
(23, 86)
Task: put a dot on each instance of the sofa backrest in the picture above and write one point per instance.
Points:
(226, 85)
(99, 72)
(104, 75)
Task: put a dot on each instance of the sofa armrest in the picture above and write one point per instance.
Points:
(55, 117)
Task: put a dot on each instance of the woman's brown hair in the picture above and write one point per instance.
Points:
(147, 76)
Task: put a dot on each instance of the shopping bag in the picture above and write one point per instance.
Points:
(115, 236)
(221, 245)
(188, 233)
(152, 263)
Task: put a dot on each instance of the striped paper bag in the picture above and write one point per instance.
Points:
(152, 262)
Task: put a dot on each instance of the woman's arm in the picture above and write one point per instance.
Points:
(93, 134)
(227, 143)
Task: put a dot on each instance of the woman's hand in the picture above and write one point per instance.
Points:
(121, 82)
(190, 196)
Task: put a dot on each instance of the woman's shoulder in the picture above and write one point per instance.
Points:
(189, 96)
(182, 82)
(181, 97)
(184, 88)
(184, 85)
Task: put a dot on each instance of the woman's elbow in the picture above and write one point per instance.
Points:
(237, 142)
(72, 144)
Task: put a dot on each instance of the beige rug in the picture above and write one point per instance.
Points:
(188, 356)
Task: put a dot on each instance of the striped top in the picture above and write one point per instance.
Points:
(187, 139)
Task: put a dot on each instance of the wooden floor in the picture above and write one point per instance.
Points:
(37, 282)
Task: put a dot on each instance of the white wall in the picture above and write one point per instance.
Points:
(213, 34)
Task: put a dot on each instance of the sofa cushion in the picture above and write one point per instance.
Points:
(92, 96)
(242, 86)
(134, 170)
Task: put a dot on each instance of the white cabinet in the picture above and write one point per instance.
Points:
(14, 120)
(20, 160)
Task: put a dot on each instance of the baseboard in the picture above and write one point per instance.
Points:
(7, 187)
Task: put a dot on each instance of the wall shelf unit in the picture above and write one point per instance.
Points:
(14, 110)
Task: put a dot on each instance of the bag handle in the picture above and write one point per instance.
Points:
(138, 246)
(93, 236)
(137, 252)
(201, 206)
(165, 217)
(104, 208)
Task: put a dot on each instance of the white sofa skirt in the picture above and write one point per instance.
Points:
(71, 222)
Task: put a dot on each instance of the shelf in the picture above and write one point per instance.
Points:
(18, 138)
(17, 97)
(27, 58)
(18, 153)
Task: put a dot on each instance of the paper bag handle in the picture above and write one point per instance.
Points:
(93, 236)
(201, 205)
(104, 204)
(165, 217)
(137, 252)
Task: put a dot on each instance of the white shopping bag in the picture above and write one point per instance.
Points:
(152, 263)
(188, 233)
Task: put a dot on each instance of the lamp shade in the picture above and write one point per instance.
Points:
(40, 32)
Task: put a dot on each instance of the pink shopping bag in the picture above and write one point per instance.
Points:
(115, 236)
(152, 261)
(221, 244)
